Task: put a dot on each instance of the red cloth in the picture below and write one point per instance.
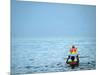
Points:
(73, 50)
(73, 63)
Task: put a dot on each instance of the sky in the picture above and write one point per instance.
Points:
(36, 19)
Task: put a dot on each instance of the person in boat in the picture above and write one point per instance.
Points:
(73, 57)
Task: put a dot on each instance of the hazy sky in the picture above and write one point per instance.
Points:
(33, 19)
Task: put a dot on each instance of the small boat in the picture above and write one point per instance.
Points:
(73, 61)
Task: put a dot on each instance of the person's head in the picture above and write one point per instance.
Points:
(73, 46)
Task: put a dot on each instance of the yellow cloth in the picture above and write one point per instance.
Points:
(73, 52)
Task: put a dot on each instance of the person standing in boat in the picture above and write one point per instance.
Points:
(73, 56)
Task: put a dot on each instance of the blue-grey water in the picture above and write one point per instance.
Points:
(39, 55)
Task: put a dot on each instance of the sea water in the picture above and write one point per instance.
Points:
(40, 55)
